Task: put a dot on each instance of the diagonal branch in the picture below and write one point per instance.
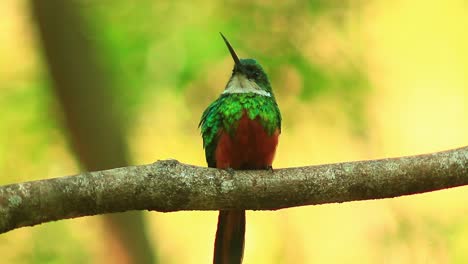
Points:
(168, 186)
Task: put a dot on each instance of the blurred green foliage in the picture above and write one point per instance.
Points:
(151, 46)
(54, 244)
(28, 106)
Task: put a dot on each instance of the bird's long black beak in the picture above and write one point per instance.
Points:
(231, 50)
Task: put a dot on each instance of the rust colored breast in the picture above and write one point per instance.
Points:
(250, 147)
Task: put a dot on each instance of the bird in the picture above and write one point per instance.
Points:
(240, 131)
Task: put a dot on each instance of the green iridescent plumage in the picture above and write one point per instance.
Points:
(240, 130)
(227, 110)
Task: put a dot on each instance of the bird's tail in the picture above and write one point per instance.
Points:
(229, 243)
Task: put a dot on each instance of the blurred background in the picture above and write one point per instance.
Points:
(88, 85)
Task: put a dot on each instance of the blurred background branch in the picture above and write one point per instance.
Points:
(171, 186)
(82, 83)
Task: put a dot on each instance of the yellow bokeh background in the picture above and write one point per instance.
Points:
(416, 58)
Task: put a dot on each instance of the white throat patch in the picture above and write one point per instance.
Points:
(240, 84)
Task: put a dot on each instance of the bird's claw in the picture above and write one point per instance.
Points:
(231, 171)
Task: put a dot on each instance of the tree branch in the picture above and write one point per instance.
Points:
(169, 186)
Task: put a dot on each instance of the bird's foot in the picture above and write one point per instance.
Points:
(269, 168)
(231, 171)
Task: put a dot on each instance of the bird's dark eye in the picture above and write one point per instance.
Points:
(255, 75)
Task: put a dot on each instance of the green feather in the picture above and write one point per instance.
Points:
(227, 110)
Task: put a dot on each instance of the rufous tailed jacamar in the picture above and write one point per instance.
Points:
(240, 131)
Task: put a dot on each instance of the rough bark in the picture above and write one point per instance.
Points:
(168, 186)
